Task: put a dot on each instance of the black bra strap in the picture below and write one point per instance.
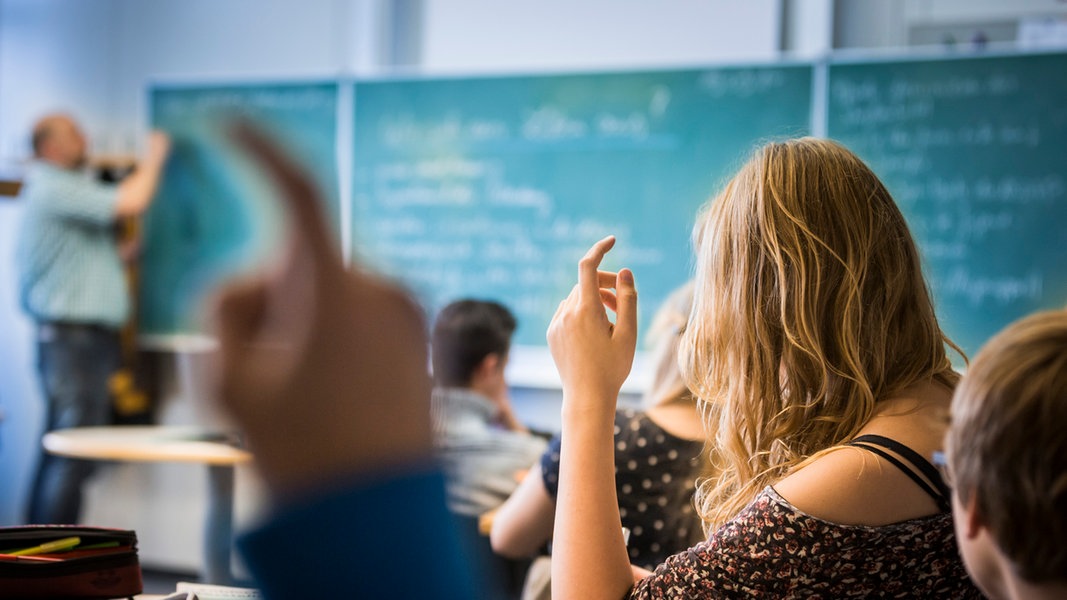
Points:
(938, 490)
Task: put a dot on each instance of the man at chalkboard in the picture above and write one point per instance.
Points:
(71, 282)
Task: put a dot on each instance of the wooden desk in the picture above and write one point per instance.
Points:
(169, 444)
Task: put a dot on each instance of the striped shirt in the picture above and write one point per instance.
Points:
(67, 259)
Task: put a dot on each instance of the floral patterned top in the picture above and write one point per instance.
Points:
(772, 550)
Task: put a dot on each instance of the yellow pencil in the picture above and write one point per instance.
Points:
(53, 546)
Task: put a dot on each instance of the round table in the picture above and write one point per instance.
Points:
(164, 443)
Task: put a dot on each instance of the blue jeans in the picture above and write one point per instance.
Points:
(74, 362)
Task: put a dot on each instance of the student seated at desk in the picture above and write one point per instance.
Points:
(1007, 458)
(658, 455)
(481, 442)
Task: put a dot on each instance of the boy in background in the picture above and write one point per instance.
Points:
(1007, 455)
(482, 443)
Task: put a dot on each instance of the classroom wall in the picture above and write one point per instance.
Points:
(564, 34)
(20, 411)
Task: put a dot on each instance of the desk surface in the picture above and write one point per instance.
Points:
(144, 444)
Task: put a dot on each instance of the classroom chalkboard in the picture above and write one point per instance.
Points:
(974, 150)
(494, 187)
(213, 214)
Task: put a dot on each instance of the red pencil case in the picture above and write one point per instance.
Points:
(103, 565)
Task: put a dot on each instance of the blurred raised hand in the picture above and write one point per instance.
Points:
(323, 368)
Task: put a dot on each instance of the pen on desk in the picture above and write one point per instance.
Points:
(13, 558)
(53, 546)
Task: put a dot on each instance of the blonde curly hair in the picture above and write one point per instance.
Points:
(810, 307)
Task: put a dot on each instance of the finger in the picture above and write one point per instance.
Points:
(609, 300)
(559, 308)
(606, 279)
(626, 307)
(563, 306)
(298, 193)
(571, 299)
(588, 278)
(238, 311)
(237, 318)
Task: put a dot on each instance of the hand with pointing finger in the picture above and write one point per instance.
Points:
(593, 355)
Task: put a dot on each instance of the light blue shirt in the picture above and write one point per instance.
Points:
(480, 458)
(67, 259)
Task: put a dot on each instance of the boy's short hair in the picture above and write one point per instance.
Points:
(465, 332)
(1007, 444)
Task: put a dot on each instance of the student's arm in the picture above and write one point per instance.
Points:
(523, 524)
(594, 357)
(136, 191)
(325, 369)
(639, 573)
(325, 372)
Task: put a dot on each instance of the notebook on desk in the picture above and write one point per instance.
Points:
(203, 591)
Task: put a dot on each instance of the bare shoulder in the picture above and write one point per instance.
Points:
(854, 486)
(681, 419)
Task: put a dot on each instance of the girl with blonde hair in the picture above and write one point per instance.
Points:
(814, 335)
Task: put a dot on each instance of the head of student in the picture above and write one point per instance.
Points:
(470, 343)
(664, 335)
(810, 307)
(1007, 454)
(59, 140)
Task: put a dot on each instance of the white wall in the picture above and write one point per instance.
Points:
(465, 35)
(52, 52)
(19, 393)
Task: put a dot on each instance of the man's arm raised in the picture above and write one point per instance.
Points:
(136, 191)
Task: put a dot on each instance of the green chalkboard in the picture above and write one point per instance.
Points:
(975, 152)
(494, 187)
(213, 214)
